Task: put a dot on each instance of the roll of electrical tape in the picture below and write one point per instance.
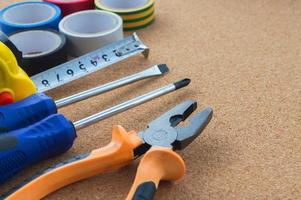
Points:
(71, 6)
(129, 26)
(136, 14)
(89, 30)
(28, 15)
(41, 49)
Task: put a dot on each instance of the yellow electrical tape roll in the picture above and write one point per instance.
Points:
(139, 24)
(136, 14)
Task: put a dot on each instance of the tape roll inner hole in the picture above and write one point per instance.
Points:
(29, 14)
(36, 43)
(124, 4)
(82, 24)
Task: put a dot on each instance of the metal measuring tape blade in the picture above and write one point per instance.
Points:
(91, 62)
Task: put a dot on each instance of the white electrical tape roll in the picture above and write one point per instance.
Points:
(90, 30)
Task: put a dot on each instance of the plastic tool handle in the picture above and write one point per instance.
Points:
(12, 78)
(118, 153)
(158, 164)
(26, 112)
(23, 147)
(6, 98)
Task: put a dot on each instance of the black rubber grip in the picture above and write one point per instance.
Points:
(145, 191)
(8, 142)
(42, 172)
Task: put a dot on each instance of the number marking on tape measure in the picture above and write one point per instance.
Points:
(89, 63)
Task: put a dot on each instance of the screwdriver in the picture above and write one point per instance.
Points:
(38, 106)
(55, 134)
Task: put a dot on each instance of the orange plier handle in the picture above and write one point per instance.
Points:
(118, 153)
(158, 164)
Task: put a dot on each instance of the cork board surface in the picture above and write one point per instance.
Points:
(244, 59)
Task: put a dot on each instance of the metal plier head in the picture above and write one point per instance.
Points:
(164, 132)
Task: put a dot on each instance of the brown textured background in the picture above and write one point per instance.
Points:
(244, 59)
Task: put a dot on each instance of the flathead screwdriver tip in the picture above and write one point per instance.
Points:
(182, 83)
(163, 68)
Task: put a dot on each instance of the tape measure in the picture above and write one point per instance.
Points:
(89, 63)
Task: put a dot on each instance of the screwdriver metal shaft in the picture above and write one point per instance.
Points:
(130, 104)
(156, 70)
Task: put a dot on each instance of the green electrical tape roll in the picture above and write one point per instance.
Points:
(136, 14)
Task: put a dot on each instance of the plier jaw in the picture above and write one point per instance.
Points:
(165, 132)
(197, 123)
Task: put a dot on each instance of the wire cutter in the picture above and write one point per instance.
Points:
(157, 143)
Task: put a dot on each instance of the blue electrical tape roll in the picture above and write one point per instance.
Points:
(28, 15)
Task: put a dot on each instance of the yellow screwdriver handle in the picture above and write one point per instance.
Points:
(12, 78)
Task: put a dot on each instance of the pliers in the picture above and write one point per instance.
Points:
(157, 143)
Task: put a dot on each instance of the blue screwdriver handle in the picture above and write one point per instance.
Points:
(26, 112)
(21, 148)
